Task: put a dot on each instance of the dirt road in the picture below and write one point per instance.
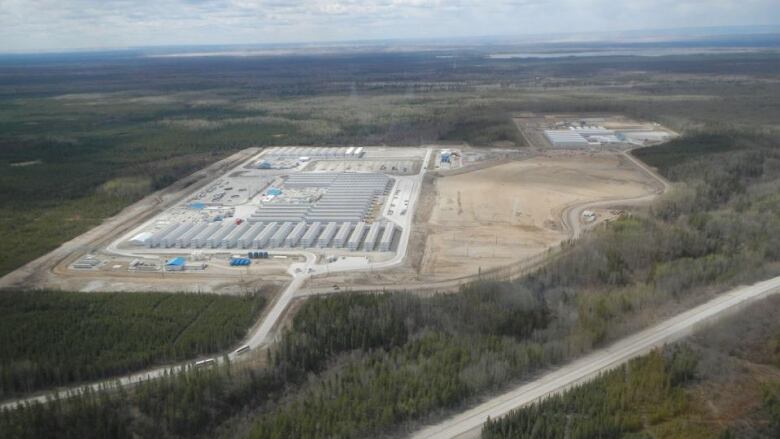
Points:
(469, 423)
(571, 216)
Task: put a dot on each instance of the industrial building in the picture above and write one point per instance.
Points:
(265, 236)
(311, 235)
(277, 240)
(337, 208)
(141, 238)
(343, 234)
(175, 264)
(346, 197)
(155, 239)
(185, 239)
(566, 139)
(373, 234)
(357, 236)
(247, 238)
(387, 237)
(215, 240)
(295, 235)
(231, 239)
(199, 240)
(315, 152)
(327, 234)
(583, 135)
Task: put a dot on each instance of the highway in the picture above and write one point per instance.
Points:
(469, 423)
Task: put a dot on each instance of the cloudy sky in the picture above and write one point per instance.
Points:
(35, 25)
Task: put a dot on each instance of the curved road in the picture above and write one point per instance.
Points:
(571, 216)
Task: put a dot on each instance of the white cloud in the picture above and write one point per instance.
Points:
(61, 24)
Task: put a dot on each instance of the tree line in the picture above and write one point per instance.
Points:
(53, 338)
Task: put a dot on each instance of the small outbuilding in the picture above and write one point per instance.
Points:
(175, 264)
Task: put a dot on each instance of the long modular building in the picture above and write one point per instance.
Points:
(387, 237)
(169, 240)
(354, 236)
(277, 240)
(231, 240)
(295, 235)
(327, 235)
(357, 236)
(185, 240)
(199, 240)
(342, 235)
(347, 197)
(373, 234)
(215, 240)
(311, 235)
(262, 240)
(247, 238)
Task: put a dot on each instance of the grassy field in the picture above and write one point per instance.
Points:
(54, 338)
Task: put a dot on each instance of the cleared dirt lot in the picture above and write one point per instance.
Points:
(495, 216)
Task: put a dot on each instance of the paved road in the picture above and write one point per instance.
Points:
(469, 423)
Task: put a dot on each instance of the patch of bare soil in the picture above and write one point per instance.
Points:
(496, 216)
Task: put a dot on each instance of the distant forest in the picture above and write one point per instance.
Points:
(366, 365)
(114, 129)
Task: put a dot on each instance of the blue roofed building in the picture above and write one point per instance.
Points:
(175, 264)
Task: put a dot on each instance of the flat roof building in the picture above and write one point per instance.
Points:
(357, 236)
(343, 234)
(278, 239)
(373, 234)
(327, 235)
(311, 235)
(566, 139)
(246, 240)
(295, 235)
(387, 237)
(268, 231)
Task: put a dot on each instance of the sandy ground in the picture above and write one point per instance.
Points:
(495, 216)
